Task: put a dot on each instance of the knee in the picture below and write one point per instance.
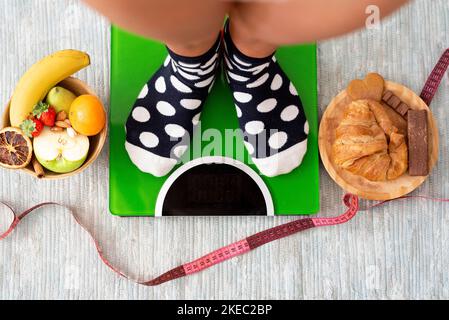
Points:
(256, 24)
(247, 23)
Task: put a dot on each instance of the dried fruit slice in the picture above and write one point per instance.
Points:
(16, 149)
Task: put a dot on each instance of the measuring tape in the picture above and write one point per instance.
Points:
(434, 80)
(218, 256)
(259, 239)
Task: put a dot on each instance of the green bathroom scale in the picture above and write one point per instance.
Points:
(214, 188)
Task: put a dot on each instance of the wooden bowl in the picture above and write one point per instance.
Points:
(78, 87)
(383, 190)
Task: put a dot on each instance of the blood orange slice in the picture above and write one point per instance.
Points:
(15, 148)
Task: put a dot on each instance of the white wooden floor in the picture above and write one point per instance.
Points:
(398, 251)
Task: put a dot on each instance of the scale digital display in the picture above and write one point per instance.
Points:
(214, 189)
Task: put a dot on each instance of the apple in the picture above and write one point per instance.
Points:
(60, 153)
(61, 99)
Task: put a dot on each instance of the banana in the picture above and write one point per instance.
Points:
(41, 78)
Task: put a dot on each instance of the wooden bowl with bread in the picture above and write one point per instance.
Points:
(378, 139)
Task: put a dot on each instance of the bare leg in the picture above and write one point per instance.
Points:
(169, 105)
(189, 28)
(259, 27)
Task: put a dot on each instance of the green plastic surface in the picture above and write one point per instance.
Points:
(135, 59)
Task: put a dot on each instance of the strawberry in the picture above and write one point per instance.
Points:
(32, 127)
(45, 113)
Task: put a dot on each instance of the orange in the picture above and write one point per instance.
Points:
(87, 115)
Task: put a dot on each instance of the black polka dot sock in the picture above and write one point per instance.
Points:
(168, 108)
(269, 109)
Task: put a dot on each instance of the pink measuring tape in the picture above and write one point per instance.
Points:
(259, 239)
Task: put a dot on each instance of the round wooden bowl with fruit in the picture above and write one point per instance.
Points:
(37, 168)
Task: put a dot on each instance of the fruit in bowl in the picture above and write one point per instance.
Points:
(61, 99)
(59, 152)
(37, 82)
(39, 109)
(87, 115)
(15, 148)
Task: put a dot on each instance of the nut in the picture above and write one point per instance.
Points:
(61, 116)
(57, 129)
(71, 132)
(62, 124)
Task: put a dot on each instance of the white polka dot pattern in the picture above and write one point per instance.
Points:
(243, 97)
(196, 119)
(259, 81)
(241, 62)
(210, 62)
(290, 113)
(269, 110)
(166, 109)
(293, 89)
(239, 111)
(144, 92)
(149, 140)
(187, 76)
(190, 104)
(205, 83)
(161, 87)
(259, 69)
(277, 83)
(277, 140)
(175, 130)
(140, 114)
(181, 87)
(174, 67)
(179, 151)
(207, 71)
(267, 105)
(189, 65)
(237, 77)
(249, 147)
(254, 127)
(228, 64)
(167, 61)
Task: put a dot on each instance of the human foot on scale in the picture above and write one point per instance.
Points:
(168, 109)
(269, 109)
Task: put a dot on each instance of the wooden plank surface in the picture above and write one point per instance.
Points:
(398, 251)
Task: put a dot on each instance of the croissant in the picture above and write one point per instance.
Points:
(398, 151)
(369, 144)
